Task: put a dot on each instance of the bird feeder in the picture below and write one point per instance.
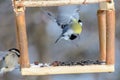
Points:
(106, 24)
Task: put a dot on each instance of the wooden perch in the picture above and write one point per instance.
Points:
(67, 69)
(38, 3)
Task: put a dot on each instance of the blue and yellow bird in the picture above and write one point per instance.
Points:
(71, 31)
(71, 25)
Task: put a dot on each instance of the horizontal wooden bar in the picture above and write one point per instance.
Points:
(38, 3)
(67, 69)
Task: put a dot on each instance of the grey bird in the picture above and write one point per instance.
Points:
(9, 60)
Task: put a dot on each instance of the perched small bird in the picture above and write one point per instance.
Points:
(9, 60)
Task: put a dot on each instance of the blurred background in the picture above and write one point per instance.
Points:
(42, 33)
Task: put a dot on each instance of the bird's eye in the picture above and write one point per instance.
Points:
(13, 55)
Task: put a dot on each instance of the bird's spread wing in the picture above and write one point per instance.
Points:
(76, 14)
(63, 19)
(49, 14)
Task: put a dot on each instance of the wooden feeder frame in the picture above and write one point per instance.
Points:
(106, 24)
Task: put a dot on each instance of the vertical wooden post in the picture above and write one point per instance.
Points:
(22, 39)
(17, 37)
(110, 30)
(21, 34)
(110, 39)
(102, 33)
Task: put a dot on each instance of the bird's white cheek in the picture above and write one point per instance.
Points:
(81, 24)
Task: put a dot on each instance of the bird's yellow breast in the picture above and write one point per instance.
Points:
(77, 28)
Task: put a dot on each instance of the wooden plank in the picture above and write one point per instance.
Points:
(102, 33)
(37, 3)
(67, 70)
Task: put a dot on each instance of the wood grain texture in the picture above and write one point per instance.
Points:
(37, 3)
(22, 39)
(110, 39)
(102, 33)
(67, 70)
(107, 5)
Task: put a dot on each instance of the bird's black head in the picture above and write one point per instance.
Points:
(16, 51)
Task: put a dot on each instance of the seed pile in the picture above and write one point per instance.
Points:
(59, 63)
(82, 63)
